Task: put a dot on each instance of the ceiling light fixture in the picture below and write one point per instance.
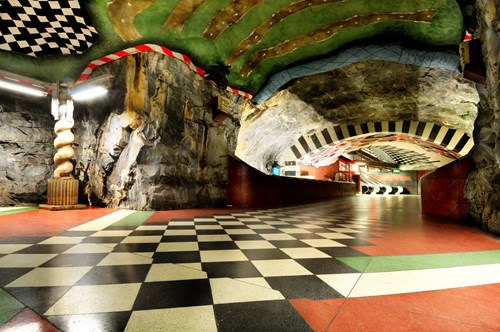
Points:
(22, 84)
(90, 89)
(25, 89)
(89, 92)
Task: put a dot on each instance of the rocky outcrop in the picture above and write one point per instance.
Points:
(384, 90)
(483, 185)
(362, 92)
(154, 144)
(26, 151)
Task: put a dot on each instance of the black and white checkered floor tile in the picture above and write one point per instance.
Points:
(210, 269)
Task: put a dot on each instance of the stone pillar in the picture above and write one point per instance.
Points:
(62, 193)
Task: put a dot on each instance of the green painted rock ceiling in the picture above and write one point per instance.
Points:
(256, 38)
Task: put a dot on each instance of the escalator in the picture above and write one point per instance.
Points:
(370, 186)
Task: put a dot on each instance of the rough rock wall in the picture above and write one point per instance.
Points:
(359, 93)
(483, 185)
(153, 144)
(26, 151)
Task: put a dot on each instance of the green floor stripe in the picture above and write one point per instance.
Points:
(13, 211)
(421, 262)
(135, 219)
(9, 306)
(358, 263)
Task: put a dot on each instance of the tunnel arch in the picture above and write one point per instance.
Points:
(455, 143)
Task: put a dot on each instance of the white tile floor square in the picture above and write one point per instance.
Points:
(280, 267)
(240, 231)
(261, 227)
(200, 318)
(63, 240)
(277, 237)
(51, 276)
(254, 244)
(170, 272)
(226, 290)
(95, 299)
(294, 230)
(25, 260)
(298, 253)
(126, 258)
(180, 223)
(231, 255)
(111, 233)
(151, 228)
(177, 246)
(214, 238)
(11, 248)
(143, 239)
(335, 236)
(179, 232)
(320, 243)
(208, 227)
(91, 248)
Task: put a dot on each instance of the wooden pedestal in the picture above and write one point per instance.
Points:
(62, 195)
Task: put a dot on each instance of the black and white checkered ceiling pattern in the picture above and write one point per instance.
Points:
(43, 27)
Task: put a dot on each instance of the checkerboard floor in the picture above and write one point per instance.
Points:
(228, 272)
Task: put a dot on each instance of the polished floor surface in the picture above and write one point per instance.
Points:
(362, 263)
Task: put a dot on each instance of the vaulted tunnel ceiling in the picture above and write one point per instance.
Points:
(255, 37)
(56, 40)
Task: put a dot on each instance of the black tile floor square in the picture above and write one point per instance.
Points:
(289, 243)
(39, 299)
(210, 231)
(246, 237)
(109, 321)
(265, 254)
(177, 257)
(341, 252)
(259, 316)
(309, 236)
(354, 242)
(116, 274)
(103, 239)
(303, 287)
(220, 245)
(77, 233)
(170, 294)
(325, 266)
(135, 247)
(7, 275)
(179, 228)
(69, 260)
(45, 249)
(146, 232)
(179, 238)
(231, 270)
(23, 240)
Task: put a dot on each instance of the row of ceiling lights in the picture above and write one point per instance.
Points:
(28, 86)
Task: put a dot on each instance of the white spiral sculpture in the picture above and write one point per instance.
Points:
(64, 140)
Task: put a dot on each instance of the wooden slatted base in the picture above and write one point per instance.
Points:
(62, 194)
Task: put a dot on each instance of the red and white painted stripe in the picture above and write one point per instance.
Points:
(149, 48)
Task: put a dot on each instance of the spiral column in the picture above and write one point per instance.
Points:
(63, 143)
(62, 192)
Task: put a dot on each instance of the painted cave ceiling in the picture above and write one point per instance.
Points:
(255, 38)
(59, 40)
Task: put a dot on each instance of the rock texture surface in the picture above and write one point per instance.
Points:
(363, 92)
(154, 143)
(26, 151)
(483, 185)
